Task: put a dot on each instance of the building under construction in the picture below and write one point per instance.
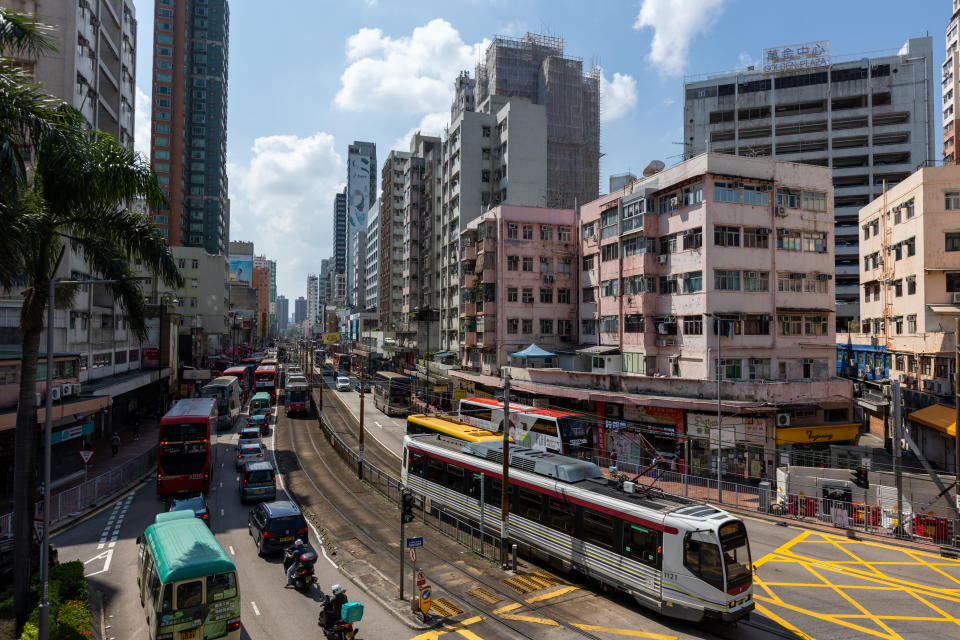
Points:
(534, 67)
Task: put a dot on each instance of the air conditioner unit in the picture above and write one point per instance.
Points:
(781, 210)
(662, 259)
(956, 298)
(783, 419)
(66, 390)
(878, 371)
(929, 385)
(674, 201)
(76, 388)
(55, 393)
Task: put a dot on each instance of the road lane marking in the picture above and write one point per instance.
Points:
(378, 424)
(232, 552)
(254, 605)
(107, 555)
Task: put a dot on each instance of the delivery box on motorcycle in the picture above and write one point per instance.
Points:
(351, 612)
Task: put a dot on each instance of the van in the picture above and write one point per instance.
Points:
(260, 403)
(258, 481)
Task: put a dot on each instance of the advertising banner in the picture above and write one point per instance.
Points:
(241, 268)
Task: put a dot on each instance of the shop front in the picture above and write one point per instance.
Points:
(933, 429)
(810, 445)
(742, 442)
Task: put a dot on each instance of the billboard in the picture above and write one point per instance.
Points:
(796, 56)
(241, 268)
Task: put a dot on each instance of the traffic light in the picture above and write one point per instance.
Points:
(406, 507)
(860, 478)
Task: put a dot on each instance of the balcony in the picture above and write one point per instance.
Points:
(488, 276)
(470, 339)
(468, 309)
(468, 253)
(488, 309)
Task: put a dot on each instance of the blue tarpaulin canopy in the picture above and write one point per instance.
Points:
(533, 351)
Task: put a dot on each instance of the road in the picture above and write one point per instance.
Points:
(106, 543)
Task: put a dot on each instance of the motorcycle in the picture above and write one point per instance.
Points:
(339, 630)
(303, 575)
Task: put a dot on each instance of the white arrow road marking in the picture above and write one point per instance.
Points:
(378, 424)
(254, 605)
(108, 555)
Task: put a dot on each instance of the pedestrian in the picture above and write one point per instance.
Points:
(115, 443)
(136, 428)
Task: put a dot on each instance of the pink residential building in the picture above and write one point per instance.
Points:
(518, 285)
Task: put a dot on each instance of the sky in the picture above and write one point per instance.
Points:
(308, 77)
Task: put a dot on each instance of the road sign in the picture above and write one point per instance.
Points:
(421, 579)
(413, 555)
(414, 542)
(425, 599)
(86, 454)
(38, 529)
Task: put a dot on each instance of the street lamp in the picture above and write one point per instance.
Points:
(43, 626)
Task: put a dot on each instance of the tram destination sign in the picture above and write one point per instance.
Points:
(807, 55)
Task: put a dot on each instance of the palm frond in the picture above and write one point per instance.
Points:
(20, 33)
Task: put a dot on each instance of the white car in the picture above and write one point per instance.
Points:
(343, 383)
(248, 453)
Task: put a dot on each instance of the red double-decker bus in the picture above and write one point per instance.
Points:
(183, 457)
(245, 374)
(265, 379)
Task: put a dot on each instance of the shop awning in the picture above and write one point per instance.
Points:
(944, 308)
(599, 349)
(937, 416)
(820, 434)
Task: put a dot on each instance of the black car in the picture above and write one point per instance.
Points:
(196, 504)
(276, 525)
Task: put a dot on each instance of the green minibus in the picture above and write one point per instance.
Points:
(188, 583)
(260, 403)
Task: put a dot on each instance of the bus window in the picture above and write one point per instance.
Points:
(641, 544)
(491, 493)
(189, 594)
(220, 586)
(546, 427)
(703, 561)
(529, 505)
(167, 599)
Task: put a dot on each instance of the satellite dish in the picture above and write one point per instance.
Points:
(654, 167)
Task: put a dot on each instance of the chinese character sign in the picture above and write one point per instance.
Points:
(797, 56)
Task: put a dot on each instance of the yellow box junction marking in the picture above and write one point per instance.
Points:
(775, 598)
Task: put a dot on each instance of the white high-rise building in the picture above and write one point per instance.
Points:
(951, 87)
(361, 193)
(313, 299)
(372, 261)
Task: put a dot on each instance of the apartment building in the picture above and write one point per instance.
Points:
(495, 155)
(340, 232)
(313, 300)
(283, 313)
(372, 257)
(518, 284)
(261, 283)
(950, 86)
(910, 288)
(720, 266)
(392, 180)
(870, 119)
(299, 310)
(357, 269)
(191, 41)
(360, 195)
(418, 330)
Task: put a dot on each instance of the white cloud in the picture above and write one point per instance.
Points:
(282, 200)
(746, 60)
(669, 102)
(407, 75)
(141, 124)
(431, 124)
(675, 24)
(618, 96)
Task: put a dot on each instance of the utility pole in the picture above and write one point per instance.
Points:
(719, 325)
(897, 463)
(956, 402)
(505, 480)
(363, 367)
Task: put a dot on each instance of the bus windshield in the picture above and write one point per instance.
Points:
(264, 376)
(736, 554)
(572, 428)
(183, 432)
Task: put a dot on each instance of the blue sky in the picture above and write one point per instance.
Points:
(307, 77)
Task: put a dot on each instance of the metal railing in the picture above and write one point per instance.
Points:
(68, 502)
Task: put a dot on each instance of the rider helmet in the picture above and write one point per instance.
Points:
(336, 589)
(298, 543)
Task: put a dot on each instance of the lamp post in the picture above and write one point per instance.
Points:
(43, 626)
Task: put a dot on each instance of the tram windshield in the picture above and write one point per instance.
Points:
(736, 554)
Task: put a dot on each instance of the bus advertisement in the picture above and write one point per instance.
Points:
(265, 379)
(563, 432)
(391, 393)
(183, 455)
(226, 391)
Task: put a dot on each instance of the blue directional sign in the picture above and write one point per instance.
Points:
(414, 542)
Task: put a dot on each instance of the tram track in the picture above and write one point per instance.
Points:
(373, 541)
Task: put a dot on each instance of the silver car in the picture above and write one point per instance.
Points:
(343, 383)
(248, 453)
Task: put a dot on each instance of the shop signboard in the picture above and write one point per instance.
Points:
(735, 429)
(70, 433)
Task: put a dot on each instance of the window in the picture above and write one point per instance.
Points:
(221, 585)
(589, 262)
(692, 239)
(564, 328)
(546, 327)
(563, 234)
(756, 325)
(815, 325)
(589, 294)
(789, 240)
(815, 242)
(912, 323)
(546, 296)
(546, 265)
(642, 544)
(563, 296)
(528, 263)
(724, 280)
(692, 281)
(911, 285)
(589, 231)
(669, 284)
(528, 232)
(726, 236)
(814, 201)
(588, 327)
(953, 281)
(609, 324)
(952, 200)
(791, 325)
(756, 237)
(528, 326)
(511, 231)
(759, 369)
(512, 293)
(788, 198)
(546, 233)
(692, 195)
(725, 192)
(564, 265)
(609, 252)
(189, 594)
(731, 369)
(898, 325)
(756, 194)
(756, 281)
(633, 246)
(527, 294)
(668, 244)
(693, 325)
(609, 288)
(911, 245)
(952, 241)
(513, 263)
(898, 288)
(633, 323)
(669, 203)
(638, 284)
(598, 530)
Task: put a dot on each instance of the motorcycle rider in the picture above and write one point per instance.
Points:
(292, 554)
(332, 606)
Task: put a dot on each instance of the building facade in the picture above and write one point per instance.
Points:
(361, 193)
(340, 232)
(870, 120)
(283, 313)
(189, 143)
(392, 181)
(261, 284)
(371, 271)
(951, 88)
(518, 284)
(358, 269)
(313, 300)
(299, 310)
